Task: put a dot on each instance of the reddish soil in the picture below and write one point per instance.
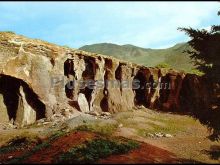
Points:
(145, 154)
(61, 145)
(14, 154)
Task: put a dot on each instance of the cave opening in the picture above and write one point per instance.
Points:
(89, 73)
(69, 68)
(140, 90)
(118, 73)
(10, 90)
(118, 76)
(164, 89)
(104, 102)
(70, 74)
(69, 87)
(88, 76)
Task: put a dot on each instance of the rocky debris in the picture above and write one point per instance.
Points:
(46, 123)
(101, 115)
(140, 107)
(66, 113)
(168, 135)
(93, 113)
(10, 157)
(150, 135)
(57, 118)
(159, 135)
(41, 120)
(120, 125)
(7, 126)
(105, 115)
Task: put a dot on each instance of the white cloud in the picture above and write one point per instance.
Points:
(146, 24)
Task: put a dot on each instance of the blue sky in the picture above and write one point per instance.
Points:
(144, 24)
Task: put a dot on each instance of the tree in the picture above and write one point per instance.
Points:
(206, 55)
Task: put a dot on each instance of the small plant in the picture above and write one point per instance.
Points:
(66, 46)
(11, 32)
(163, 65)
(197, 72)
(37, 148)
(94, 150)
(100, 128)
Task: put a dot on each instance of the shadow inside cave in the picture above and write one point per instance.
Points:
(10, 89)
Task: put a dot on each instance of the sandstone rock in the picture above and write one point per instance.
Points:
(94, 113)
(120, 125)
(37, 83)
(46, 123)
(150, 135)
(25, 114)
(140, 107)
(10, 157)
(105, 114)
(159, 134)
(83, 104)
(3, 110)
(168, 135)
(41, 120)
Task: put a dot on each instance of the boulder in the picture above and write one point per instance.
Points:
(83, 104)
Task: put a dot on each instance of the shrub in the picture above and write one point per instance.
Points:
(163, 65)
(96, 149)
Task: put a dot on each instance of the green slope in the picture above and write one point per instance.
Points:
(173, 56)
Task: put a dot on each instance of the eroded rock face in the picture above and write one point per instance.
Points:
(18, 102)
(43, 76)
(4, 118)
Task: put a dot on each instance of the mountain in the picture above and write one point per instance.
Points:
(175, 57)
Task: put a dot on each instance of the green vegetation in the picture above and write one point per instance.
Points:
(96, 149)
(11, 32)
(66, 46)
(197, 72)
(163, 65)
(205, 53)
(100, 128)
(154, 122)
(37, 148)
(176, 57)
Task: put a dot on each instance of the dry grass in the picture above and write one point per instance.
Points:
(148, 121)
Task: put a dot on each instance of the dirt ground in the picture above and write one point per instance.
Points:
(188, 141)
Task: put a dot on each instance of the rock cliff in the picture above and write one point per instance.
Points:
(38, 80)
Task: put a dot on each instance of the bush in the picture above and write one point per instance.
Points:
(163, 65)
(197, 72)
(100, 128)
(92, 151)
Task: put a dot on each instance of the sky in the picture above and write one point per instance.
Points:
(75, 24)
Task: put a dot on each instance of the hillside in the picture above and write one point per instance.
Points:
(173, 56)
